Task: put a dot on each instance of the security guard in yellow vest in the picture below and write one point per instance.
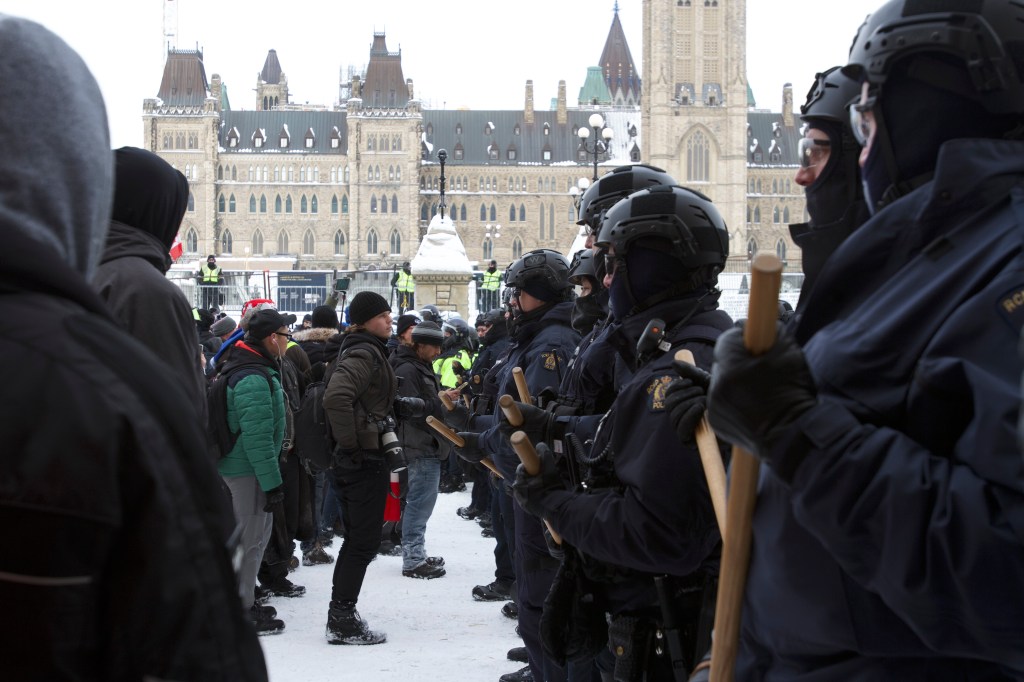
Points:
(455, 358)
(210, 277)
(489, 287)
(406, 288)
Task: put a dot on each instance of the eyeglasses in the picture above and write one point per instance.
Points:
(813, 152)
(611, 263)
(863, 126)
(287, 336)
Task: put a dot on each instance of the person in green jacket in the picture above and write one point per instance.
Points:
(256, 416)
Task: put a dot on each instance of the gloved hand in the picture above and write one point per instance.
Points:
(752, 399)
(460, 417)
(686, 399)
(531, 492)
(471, 451)
(536, 423)
(555, 550)
(275, 498)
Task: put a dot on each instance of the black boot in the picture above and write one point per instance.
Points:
(345, 626)
(265, 621)
(521, 675)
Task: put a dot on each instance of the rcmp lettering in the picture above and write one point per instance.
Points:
(1011, 307)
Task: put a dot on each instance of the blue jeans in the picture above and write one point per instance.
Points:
(420, 497)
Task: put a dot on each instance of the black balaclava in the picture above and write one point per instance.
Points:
(149, 194)
(589, 310)
(650, 272)
(914, 119)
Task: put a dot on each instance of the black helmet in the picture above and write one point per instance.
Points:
(830, 97)
(614, 186)
(430, 313)
(494, 316)
(684, 217)
(983, 35)
(457, 326)
(583, 265)
(544, 264)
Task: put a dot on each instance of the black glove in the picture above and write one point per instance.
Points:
(531, 491)
(555, 550)
(471, 451)
(460, 417)
(752, 399)
(536, 424)
(409, 408)
(686, 399)
(275, 498)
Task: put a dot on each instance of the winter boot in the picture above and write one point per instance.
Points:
(435, 560)
(518, 654)
(345, 626)
(496, 591)
(521, 675)
(283, 587)
(468, 513)
(425, 571)
(316, 556)
(264, 620)
(510, 610)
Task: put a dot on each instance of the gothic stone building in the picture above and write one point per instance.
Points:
(283, 187)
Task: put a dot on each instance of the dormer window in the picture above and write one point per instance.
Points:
(233, 138)
(547, 129)
(510, 153)
(310, 138)
(488, 128)
(284, 137)
(492, 152)
(458, 128)
(515, 131)
(258, 137)
(459, 152)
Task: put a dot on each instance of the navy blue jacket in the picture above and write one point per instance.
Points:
(659, 519)
(897, 551)
(589, 382)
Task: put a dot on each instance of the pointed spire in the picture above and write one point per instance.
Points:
(620, 73)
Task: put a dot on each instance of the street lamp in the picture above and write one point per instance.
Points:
(602, 138)
(442, 156)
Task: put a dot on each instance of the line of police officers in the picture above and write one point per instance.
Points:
(889, 531)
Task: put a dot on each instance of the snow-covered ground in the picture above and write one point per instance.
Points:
(436, 631)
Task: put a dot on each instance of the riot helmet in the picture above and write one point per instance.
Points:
(430, 313)
(542, 270)
(614, 186)
(583, 265)
(667, 241)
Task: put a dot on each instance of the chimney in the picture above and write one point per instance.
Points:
(787, 105)
(408, 83)
(562, 116)
(355, 87)
(528, 109)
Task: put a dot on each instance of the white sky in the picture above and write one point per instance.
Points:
(458, 53)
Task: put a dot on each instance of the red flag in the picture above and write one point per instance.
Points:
(393, 507)
(177, 248)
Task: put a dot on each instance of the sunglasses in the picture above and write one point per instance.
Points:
(813, 152)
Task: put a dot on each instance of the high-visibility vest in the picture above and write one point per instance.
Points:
(446, 373)
(492, 280)
(405, 283)
(210, 276)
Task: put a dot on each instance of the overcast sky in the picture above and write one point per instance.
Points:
(458, 53)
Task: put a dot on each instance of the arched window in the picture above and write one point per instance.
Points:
(541, 233)
(780, 250)
(191, 241)
(494, 213)
(277, 204)
(344, 203)
(517, 249)
(346, 175)
(308, 243)
(398, 173)
(483, 213)
(314, 205)
(785, 215)
(371, 243)
(698, 158)
(395, 243)
(231, 204)
(288, 204)
(376, 174)
(391, 173)
(252, 203)
(488, 249)
(373, 205)
(221, 203)
(369, 174)
(303, 205)
(220, 172)
(339, 243)
(750, 213)
(334, 205)
(383, 203)
(263, 203)
(282, 243)
(757, 214)
(277, 174)
(512, 213)
(522, 213)
(226, 242)
(751, 248)
(775, 186)
(776, 215)
(257, 243)
(394, 203)
(551, 221)
(191, 202)
(462, 213)
(424, 212)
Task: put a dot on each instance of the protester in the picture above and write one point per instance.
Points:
(118, 564)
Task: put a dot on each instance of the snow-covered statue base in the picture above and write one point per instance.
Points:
(441, 268)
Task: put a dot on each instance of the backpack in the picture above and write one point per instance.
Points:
(313, 441)
(219, 438)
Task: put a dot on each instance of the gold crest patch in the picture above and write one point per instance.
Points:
(550, 361)
(656, 393)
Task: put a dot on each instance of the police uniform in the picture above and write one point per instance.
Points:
(406, 287)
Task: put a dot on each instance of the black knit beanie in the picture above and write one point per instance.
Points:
(367, 305)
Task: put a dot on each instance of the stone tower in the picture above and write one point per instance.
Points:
(271, 85)
(694, 105)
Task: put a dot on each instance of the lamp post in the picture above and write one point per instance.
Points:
(602, 138)
(442, 156)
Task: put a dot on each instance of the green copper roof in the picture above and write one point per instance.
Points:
(225, 105)
(594, 90)
(750, 97)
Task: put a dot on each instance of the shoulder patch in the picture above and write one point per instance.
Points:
(550, 361)
(656, 393)
(1011, 307)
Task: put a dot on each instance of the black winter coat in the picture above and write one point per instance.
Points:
(417, 380)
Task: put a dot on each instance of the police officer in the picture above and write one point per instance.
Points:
(542, 342)
(829, 173)
(209, 277)
(888, 528)
(646, 511)
(406, 288)
(489, 286)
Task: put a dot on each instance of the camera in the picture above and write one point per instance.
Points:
(394, 456)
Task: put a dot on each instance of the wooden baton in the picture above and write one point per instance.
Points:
(531, 462)
(445, 400)
(710, 457)
(758, 337)
(455, 439)
(511, 410)
(520, 379)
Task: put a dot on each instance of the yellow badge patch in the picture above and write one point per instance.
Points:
(550, 361)
(656, 391)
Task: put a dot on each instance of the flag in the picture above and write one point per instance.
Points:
(177, 248)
